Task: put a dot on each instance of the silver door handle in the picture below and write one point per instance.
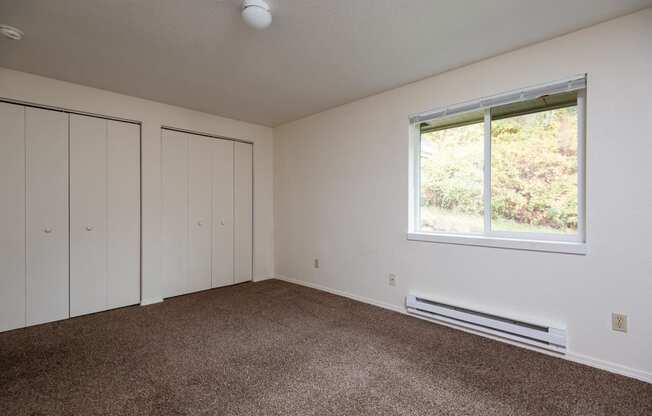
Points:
(89, 228)
(221, 222)
(47, 230)
(199, 223)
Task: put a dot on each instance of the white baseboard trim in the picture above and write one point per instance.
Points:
(344, 294)
(150, 301)
(569, 355)
(262, 278)
(610, 367)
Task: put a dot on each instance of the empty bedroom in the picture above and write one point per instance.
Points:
(325, 207)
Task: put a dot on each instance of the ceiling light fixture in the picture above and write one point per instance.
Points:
(256, 13)
(11, 32)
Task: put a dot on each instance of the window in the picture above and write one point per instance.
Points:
(504, 171)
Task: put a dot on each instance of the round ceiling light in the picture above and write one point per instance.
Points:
(256, 13)
(11, 32)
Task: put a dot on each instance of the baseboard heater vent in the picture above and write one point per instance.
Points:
(542, 336)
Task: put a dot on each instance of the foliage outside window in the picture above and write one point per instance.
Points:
(510, 170)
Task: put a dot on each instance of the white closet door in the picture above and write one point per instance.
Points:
(222, 269)
(123, 214)
(88, 178)
(200, 225)
(206, 212)
(174, 215)
(46, 134)
(243, 211)
(12, 216)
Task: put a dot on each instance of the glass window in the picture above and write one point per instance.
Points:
(534, 172)
(452, 179)
(509, 171)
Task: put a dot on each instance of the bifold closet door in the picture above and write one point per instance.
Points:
(46, 138)
(87, 214)
(12, 216)
(206, 212)
(223, 224)
(200, 224)
(174, 211)
(104, 214)
(123, 214)
(186, 168)
(243, 208)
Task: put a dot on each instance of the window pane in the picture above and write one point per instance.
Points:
(534, 172)
(452, 179)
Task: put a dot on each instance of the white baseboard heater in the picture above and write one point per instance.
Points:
(541, 336)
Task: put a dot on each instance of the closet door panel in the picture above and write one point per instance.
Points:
(200, 218)
(88, 228)
(243, 183)
(46, 134)
(12, 216)
(174, 221)
(222, 264)
(123, 214)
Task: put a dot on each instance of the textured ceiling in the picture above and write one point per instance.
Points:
(316, 55)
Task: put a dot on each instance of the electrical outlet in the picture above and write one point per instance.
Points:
(391, 279)
(316, 263)
(619, 322)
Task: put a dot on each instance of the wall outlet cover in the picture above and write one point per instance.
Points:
(391, 279)
(619, 322)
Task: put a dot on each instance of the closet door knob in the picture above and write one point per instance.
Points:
(89, 228)
(199, 223)
(221, 222)
(47, 230)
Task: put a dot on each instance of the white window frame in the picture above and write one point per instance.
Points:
(555, 243)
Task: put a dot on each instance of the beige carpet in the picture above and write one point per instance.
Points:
(273, 348)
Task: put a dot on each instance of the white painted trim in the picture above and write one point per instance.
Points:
(581, 166)
(570, 356)
(610, 367)
(486, 171)
(150, 301)
(567, 247)
(344, 294)
(414, 177)
(262, 278)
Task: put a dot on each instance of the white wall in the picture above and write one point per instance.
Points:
(341, 194)
(26, 87)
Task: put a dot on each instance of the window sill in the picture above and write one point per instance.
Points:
(566, 247)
